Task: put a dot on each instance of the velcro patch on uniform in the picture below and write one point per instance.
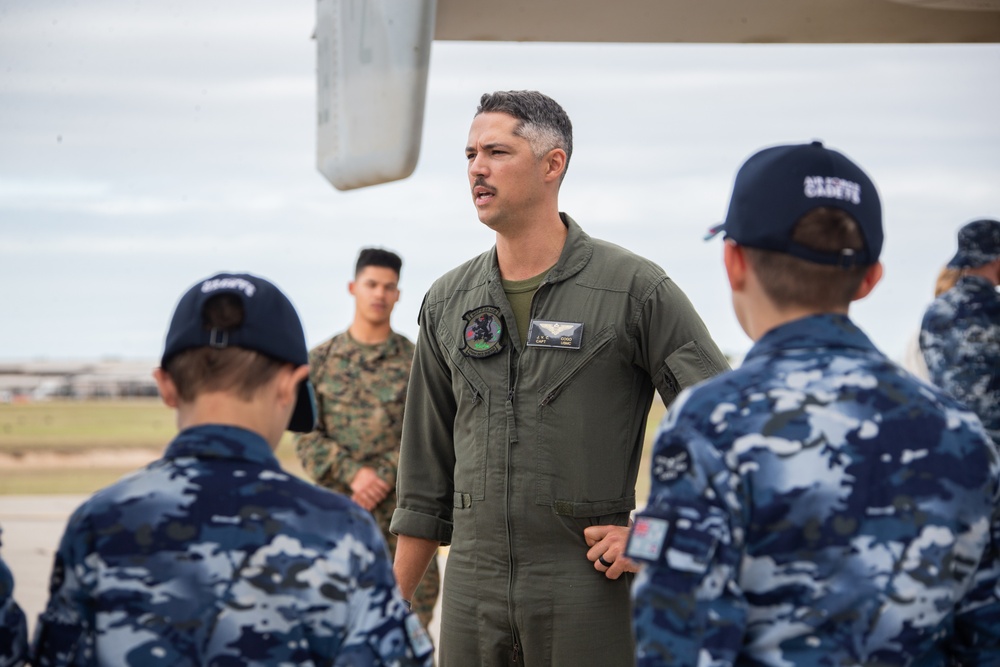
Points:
(558, 335)
(649, 534)
(419, 640)
(483, 332)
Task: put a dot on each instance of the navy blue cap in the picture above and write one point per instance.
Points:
(270, 326)
(775, 187)
(978, 244)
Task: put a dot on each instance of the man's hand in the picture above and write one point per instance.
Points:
(368, 489)
(607, 550)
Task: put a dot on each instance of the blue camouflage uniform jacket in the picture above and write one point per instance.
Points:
(13, 624)
(819, 506)
(960, 340)
(214, 555)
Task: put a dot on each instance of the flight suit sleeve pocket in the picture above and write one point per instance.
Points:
(688, 365)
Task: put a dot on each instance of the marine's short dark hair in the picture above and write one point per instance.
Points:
(236, 370)
(543, 123)
(378, 257)
(790, 281)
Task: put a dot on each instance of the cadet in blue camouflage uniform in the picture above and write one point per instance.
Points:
(214, 555)
(819, 505)
(360, 377)
(13, 625)
(960, 333)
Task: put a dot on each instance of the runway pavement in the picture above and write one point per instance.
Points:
(32, 527)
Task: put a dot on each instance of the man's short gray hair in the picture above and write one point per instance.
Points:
(543, 123)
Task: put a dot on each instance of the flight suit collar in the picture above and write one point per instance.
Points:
(576, 252)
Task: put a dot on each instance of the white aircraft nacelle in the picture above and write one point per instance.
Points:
(372, 60)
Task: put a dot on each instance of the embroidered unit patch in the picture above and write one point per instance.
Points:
(483, 332)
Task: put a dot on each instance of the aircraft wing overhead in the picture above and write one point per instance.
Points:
(373, 55)
(721, 21)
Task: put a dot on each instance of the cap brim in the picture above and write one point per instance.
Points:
(715, 230)
(970, 260)
(304, 416)
(957, 262)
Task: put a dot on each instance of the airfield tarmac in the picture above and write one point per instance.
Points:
(32, 527)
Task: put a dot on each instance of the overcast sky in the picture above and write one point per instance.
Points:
(145, 145)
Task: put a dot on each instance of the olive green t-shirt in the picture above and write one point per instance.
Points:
(519, 293)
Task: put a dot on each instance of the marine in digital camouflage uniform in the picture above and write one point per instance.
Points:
(360, 394)
(214, 555)
(13, 624)
(819, 505)
(960, 332)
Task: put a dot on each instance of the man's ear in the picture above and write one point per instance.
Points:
(872, 275)
(735, 259)
(168, 390)
(555, 164)
(350, 288)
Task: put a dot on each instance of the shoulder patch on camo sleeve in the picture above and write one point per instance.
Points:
(671, 464)
(649, 534)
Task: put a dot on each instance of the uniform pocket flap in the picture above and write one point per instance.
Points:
(596, 508)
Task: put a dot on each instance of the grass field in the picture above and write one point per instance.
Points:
(68, 426)
(61, 447)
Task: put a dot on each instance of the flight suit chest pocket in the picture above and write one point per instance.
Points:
(581, 457)
(471, 431)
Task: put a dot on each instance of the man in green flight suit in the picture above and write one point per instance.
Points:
(360, 378)
(532, 380)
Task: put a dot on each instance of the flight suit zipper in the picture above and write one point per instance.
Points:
(511, 440)
(513, 371)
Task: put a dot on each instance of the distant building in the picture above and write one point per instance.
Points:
(39, 380)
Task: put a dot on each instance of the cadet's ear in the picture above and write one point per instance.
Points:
(288, 383)
(872, 276)
(736, 265)
(167, 388)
